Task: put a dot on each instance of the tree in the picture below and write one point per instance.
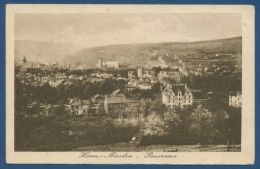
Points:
(47, 94)
(89, 90)
(156, 87)
(203, 123)
(121, 83)
(234, 124)
(172, 116)
(60, 109)
(159, 108)
(187, 80)
(155, 126)
(108, 86)
(21, 97)
(101, 110)
(61, 92)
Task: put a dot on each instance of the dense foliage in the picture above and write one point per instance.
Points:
(209, 123)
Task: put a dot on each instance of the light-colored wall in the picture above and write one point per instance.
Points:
(235, 101)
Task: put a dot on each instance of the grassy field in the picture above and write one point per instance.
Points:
(158, 148)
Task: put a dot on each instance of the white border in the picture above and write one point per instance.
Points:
(247, 154)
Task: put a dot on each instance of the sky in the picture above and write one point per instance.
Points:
(91, 30)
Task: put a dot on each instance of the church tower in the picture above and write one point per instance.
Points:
(24, 59)
(140, 72)
(100, 63)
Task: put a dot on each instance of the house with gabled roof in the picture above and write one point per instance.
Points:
(79, 107)
(235, 99)
(129, 87)
(177, 96)
(26, 66)
(173, 75)
(115, 103)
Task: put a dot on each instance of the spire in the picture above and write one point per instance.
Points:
(24, 59)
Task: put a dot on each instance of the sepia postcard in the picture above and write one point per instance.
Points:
(130, 84)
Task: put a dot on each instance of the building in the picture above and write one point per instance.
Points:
(196, 73)
(133, 105)
(235, 99)
(148, 73)
(140, 72)
(108, 64)
(56, 83)
(25, 66)
(177, 95)
(169, 75)
(144, 86)
(131, 73)
(133, 81)
(115, 103)
(42, 77)
(79, 107)
(61, 76)
(112, 64)
(129, 87)
(96, 101)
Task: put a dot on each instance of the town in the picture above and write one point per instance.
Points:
(138, 96)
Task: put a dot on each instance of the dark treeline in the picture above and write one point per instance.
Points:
(217, 84)
(179, 127)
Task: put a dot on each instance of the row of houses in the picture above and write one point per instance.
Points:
(173, 96)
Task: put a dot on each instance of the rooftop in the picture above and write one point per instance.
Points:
(118, 98)
(235, 93)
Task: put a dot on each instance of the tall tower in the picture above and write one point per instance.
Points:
(100, 63)
(140, 72)
(24, 59)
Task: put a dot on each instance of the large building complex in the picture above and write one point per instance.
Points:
(169, 75)
(108, 64)
(177, 95)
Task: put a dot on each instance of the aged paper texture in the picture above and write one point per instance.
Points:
(130, 84)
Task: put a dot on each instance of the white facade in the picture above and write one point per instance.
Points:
(144, 86)
(108, 64)
(55, 83)
(140, 72)
(112, 64)
(235, 99)
(170, 75)
(177, 96)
